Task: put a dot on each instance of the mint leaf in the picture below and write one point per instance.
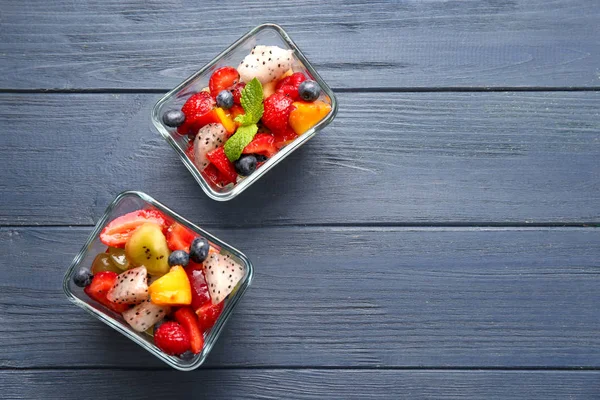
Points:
(252, 96)
(240, 139)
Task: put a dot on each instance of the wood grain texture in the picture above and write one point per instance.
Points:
(347, 297)
(300, 384)
(418, 158)
(139, 44)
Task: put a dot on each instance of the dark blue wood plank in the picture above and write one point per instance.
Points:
(140, 44)
(301, 384)
(419, 158)
(348, 297)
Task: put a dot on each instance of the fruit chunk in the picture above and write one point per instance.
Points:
(198, 110)
(266, 63)
(307, 115)
(171, 338)
(290, 85)
(208, 138)
(186, 318)
(172, 289)
(118, 258)
(131, 287)
(262, 143)
(200, 295)
(222, 276)
(236, 91)
(208, 315)
(148, 247)
(116, 233)
(277, 111)
(223, 78)
(102, 263)
(98, 289)
(179, 237)
(227, 122)
(145, 315)
(284, 137)
(225, 167)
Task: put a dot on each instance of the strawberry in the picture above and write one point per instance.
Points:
(171, 338)
(214, 176)
(236, 90)
(179, 237)
(223, 78)
(284, 137)
(277, 112)
(289, 85)
(225, 167)
(186, 318)
(199, 111)
(263, 143)
(98, 289)
(116, 233)
(208, 315)
(200, 295)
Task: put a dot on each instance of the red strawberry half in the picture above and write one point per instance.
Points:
(120, 229)
(179, 237)
(263, 143)
(223, 78)
(218, 158)
(98, 289)
(236, 90)
(208, 315)
(278, 107)
(186, 318)
(199, 111)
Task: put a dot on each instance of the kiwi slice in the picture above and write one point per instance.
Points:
(147, 247)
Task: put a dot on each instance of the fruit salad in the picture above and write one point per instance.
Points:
(247, 113)
(165, 280)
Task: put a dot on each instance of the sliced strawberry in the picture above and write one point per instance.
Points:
(179, 237)
(220, 160)
(98, 289)
(236, 90)
(263, 143)
(277, 111)
(223, 78)
(186, 318)
(213, 176)
(208, 315)
(199, 111)
(120, 229)
(200, 294)
(284, 137)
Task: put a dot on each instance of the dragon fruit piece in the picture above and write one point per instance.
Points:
(222, 275)
(209, 137)
(131, 287)
(265, 63)
(145, 315)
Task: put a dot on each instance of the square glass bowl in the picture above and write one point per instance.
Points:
(124, 203)
(267, 34)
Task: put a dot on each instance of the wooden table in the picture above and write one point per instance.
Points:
(439, 240)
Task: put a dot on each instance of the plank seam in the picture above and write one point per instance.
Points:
(450, 89)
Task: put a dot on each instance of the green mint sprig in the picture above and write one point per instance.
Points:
(252, 101)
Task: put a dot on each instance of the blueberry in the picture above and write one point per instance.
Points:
(82, 277)
(261, 158)
(199, 250)
(309, 90)
(246, 165)
(173, 118)
(225, 99)
(179, 257)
